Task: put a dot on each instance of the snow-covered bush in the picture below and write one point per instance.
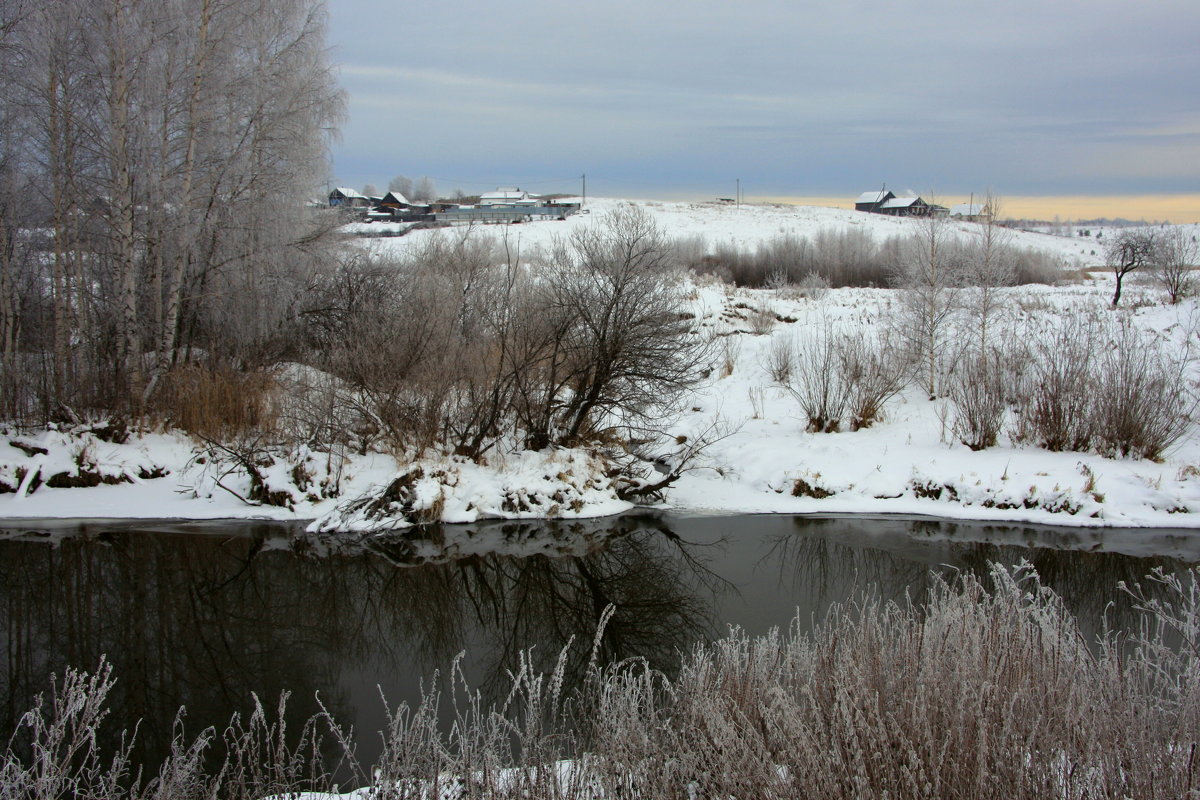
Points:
(838, 376)
(978, 390)
(461, 348)
(779, 358)
(817, 380)
(1143, 401)
(874, 370)
(1056, 399)
(1108, 386)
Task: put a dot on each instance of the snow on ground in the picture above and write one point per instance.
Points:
(898, 465)
(745, 227)
(907, 464)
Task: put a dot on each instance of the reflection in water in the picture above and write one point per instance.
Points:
(201, 621)
(202, 615)
(898, 559)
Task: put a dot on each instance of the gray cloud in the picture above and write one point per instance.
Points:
(795, 98)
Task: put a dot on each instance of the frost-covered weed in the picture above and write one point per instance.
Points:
(984, 689)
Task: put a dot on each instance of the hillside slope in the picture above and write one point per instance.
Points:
(745, 228)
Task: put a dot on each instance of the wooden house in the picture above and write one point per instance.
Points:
(395, 200)
(971, 212)
(343, 197)
(871, 201)
(905, 207)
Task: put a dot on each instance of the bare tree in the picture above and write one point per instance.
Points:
(14, 185)
(1129, 250)
(1175, 260)
(632, 349)
(928, 280)
(401, 184)
(424, 191)
(988, 267)
(167, 138)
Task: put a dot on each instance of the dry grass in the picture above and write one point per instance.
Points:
(218, 402)
(987, 689)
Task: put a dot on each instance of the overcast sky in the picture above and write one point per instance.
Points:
(680, 99)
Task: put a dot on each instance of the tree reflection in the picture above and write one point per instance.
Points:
(898, 559)
(202, 621)
(537, 586)
(201, 616)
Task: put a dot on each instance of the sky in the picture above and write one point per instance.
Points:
(1096, 104)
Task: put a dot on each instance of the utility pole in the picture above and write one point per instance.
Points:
(738, 194)
(583, 196)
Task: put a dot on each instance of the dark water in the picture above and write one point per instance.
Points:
(204, 614)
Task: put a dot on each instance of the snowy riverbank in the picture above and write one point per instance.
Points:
(759, 456)
(763, 459)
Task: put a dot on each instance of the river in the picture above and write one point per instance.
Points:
(202, 615)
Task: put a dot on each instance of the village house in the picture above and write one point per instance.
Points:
(904, 207)
(883, 201)
(871, 201)
(395, 201)
(343, 197)
(971, 212)
(507, 196)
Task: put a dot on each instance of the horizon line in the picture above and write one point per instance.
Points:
(1181, 208)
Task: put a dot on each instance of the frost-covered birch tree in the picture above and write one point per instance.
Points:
(172, 147)
(928, 280)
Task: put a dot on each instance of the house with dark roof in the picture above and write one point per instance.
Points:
(905, 207)
(871, 201)
(395, 200)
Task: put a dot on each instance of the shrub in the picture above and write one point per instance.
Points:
(817, 381)
(1109, 387)
(779, 358)
(1143, 400)
(217, 401)
(1056, 404)
(874, 371)
(978, 390)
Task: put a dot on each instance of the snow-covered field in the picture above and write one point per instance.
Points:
(907, 464)
(745, 227)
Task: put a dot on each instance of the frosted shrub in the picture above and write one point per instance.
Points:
(1056, 404)
(779, 358)
(1143, 402)
(874, 371)
(813, 286)
(762, 318)
(817, 381)
(986, 689)
(837, 377)
(978, 391)
(1112, 388)
(56, 752)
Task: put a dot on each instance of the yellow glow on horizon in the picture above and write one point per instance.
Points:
(1178, 208)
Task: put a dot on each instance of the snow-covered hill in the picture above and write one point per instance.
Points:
(746, 227)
